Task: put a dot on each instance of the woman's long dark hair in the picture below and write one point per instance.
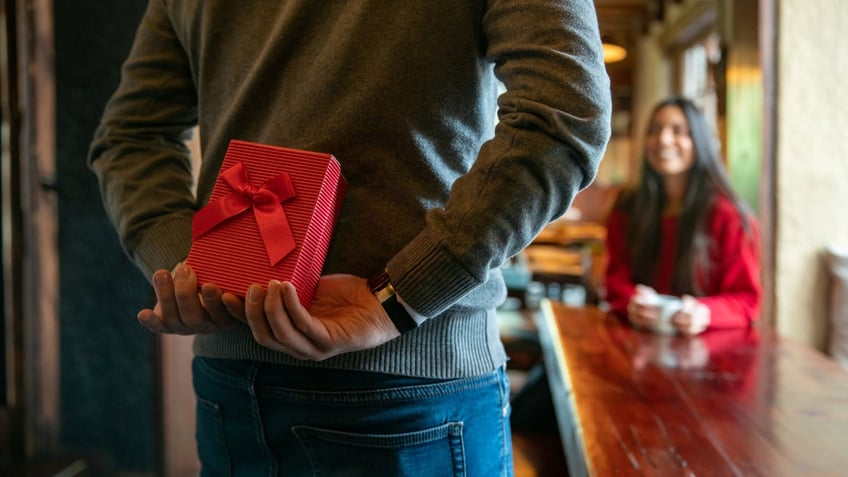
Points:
(645, 203)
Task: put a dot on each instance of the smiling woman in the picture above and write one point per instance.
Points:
(683, 231)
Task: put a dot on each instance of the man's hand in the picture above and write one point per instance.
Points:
(181, 310)
(344, 317)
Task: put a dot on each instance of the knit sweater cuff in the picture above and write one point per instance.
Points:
(428, 277)
(163, 246)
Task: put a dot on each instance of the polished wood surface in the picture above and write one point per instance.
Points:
(735, 403)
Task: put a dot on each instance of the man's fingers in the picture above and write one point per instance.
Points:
(181, 309)
(153, 322)
(300, 316)
(279, 313)
(254, 309)
(163, 286)
(192, 314)
(234, 306)
(219, 315)
(254, 306)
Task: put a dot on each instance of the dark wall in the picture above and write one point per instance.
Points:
(107, 357)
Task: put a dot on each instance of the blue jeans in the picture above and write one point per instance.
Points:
(260, 419)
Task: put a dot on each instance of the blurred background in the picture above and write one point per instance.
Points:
(84, 390)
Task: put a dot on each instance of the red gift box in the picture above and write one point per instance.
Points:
(270, 216)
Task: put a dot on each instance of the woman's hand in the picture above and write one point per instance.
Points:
(642, 311)
(693, 317)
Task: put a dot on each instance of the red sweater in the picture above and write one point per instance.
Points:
(732, 286)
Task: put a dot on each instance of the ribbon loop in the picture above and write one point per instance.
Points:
(266, 202)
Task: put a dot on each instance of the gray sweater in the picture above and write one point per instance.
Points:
(404, 94)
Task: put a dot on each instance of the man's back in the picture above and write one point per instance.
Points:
(404, 96)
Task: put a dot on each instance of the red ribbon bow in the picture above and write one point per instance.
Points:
(267, 209)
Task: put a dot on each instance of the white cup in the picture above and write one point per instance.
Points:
(667, 306)
(573, 294)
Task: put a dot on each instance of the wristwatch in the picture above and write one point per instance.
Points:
(381, 286)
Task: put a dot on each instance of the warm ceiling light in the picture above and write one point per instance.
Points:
(613, 52)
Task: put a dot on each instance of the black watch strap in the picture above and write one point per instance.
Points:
(381, 286)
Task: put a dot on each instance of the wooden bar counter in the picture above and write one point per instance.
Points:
(735, 403)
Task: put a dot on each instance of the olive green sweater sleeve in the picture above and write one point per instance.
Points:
(554, 126)
(139, 151)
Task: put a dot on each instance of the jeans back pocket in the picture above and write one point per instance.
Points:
(435, 451)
